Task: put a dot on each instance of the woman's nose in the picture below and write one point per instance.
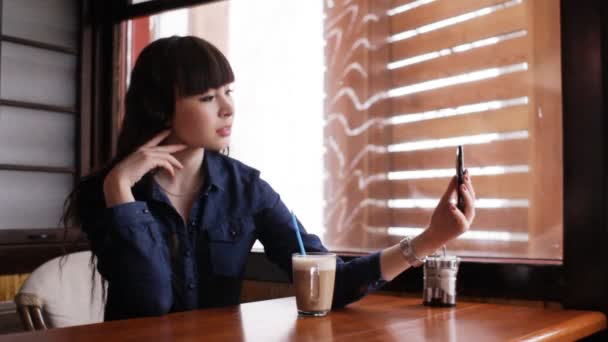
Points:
(226, 109)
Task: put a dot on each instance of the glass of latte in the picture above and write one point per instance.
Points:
(313, 278)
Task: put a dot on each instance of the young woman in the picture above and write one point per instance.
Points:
(171, 219)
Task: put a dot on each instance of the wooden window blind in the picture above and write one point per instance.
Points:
(408, 81)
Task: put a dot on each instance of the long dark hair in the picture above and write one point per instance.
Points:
(165, 69)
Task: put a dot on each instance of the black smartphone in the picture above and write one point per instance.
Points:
(460, 175)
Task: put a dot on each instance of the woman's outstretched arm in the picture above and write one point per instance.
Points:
(447, 223)
(359, 276)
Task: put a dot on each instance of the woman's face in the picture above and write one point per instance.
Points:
(205, 120)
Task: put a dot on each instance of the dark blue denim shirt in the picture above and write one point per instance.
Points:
(156, 263)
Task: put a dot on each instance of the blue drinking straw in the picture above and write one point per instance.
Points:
(295, 226)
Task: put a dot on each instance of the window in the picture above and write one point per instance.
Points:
(409, 82)
(384, 92)
(279, 122)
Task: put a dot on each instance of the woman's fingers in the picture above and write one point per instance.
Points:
(168, 157)
(460, 217)
(169, 148)
(469, 202)
(174, 161)
(449, 192)
(157, 139)
(469, 184)
(165, 164)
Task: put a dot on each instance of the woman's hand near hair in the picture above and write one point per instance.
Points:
(447, 223)
(119, 181)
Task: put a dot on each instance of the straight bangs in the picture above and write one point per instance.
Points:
(199, 66)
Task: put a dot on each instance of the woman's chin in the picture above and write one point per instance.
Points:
(212, 146)
(215, 147)
(222, 145)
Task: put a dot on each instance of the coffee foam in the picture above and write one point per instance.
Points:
(305, 263)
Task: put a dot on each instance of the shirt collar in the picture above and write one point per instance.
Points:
(216, 177)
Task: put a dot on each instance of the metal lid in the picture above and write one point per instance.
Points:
(449, 263)
(441, 261)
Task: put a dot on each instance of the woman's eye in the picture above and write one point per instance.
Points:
(229, 91)
(207, 98)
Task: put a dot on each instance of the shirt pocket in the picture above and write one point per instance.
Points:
(229, 245)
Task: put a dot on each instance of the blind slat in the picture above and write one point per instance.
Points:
(512, 219)
(508, 20)
(504, 186)
(503, 53)
(491, 249)
(496, 121)
(510, 152)
(435, 11)
(504, 87)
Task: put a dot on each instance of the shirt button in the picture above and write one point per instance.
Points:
(188, 253)
(233, 233)
(145, 211)
(191, 286)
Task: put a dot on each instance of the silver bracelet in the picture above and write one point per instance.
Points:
(408, 252)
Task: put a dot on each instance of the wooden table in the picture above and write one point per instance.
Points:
(378, 317)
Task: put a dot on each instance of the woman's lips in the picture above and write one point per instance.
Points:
(224, 131)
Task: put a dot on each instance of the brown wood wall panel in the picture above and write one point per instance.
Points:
(507, 52)
(508, 152)
(515, 219)
(435, 11)
(497, 121)
(501, 22)
(505, 87)
(509, 186)
(10, 285)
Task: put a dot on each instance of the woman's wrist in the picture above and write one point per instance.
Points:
(116, 192)
(426, 243)
(392, 260)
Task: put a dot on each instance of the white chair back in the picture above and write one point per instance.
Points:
(62, 294)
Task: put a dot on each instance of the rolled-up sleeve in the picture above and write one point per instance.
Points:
(354, 279)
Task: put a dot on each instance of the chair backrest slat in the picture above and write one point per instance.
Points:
(37, 317)
(26, 318)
